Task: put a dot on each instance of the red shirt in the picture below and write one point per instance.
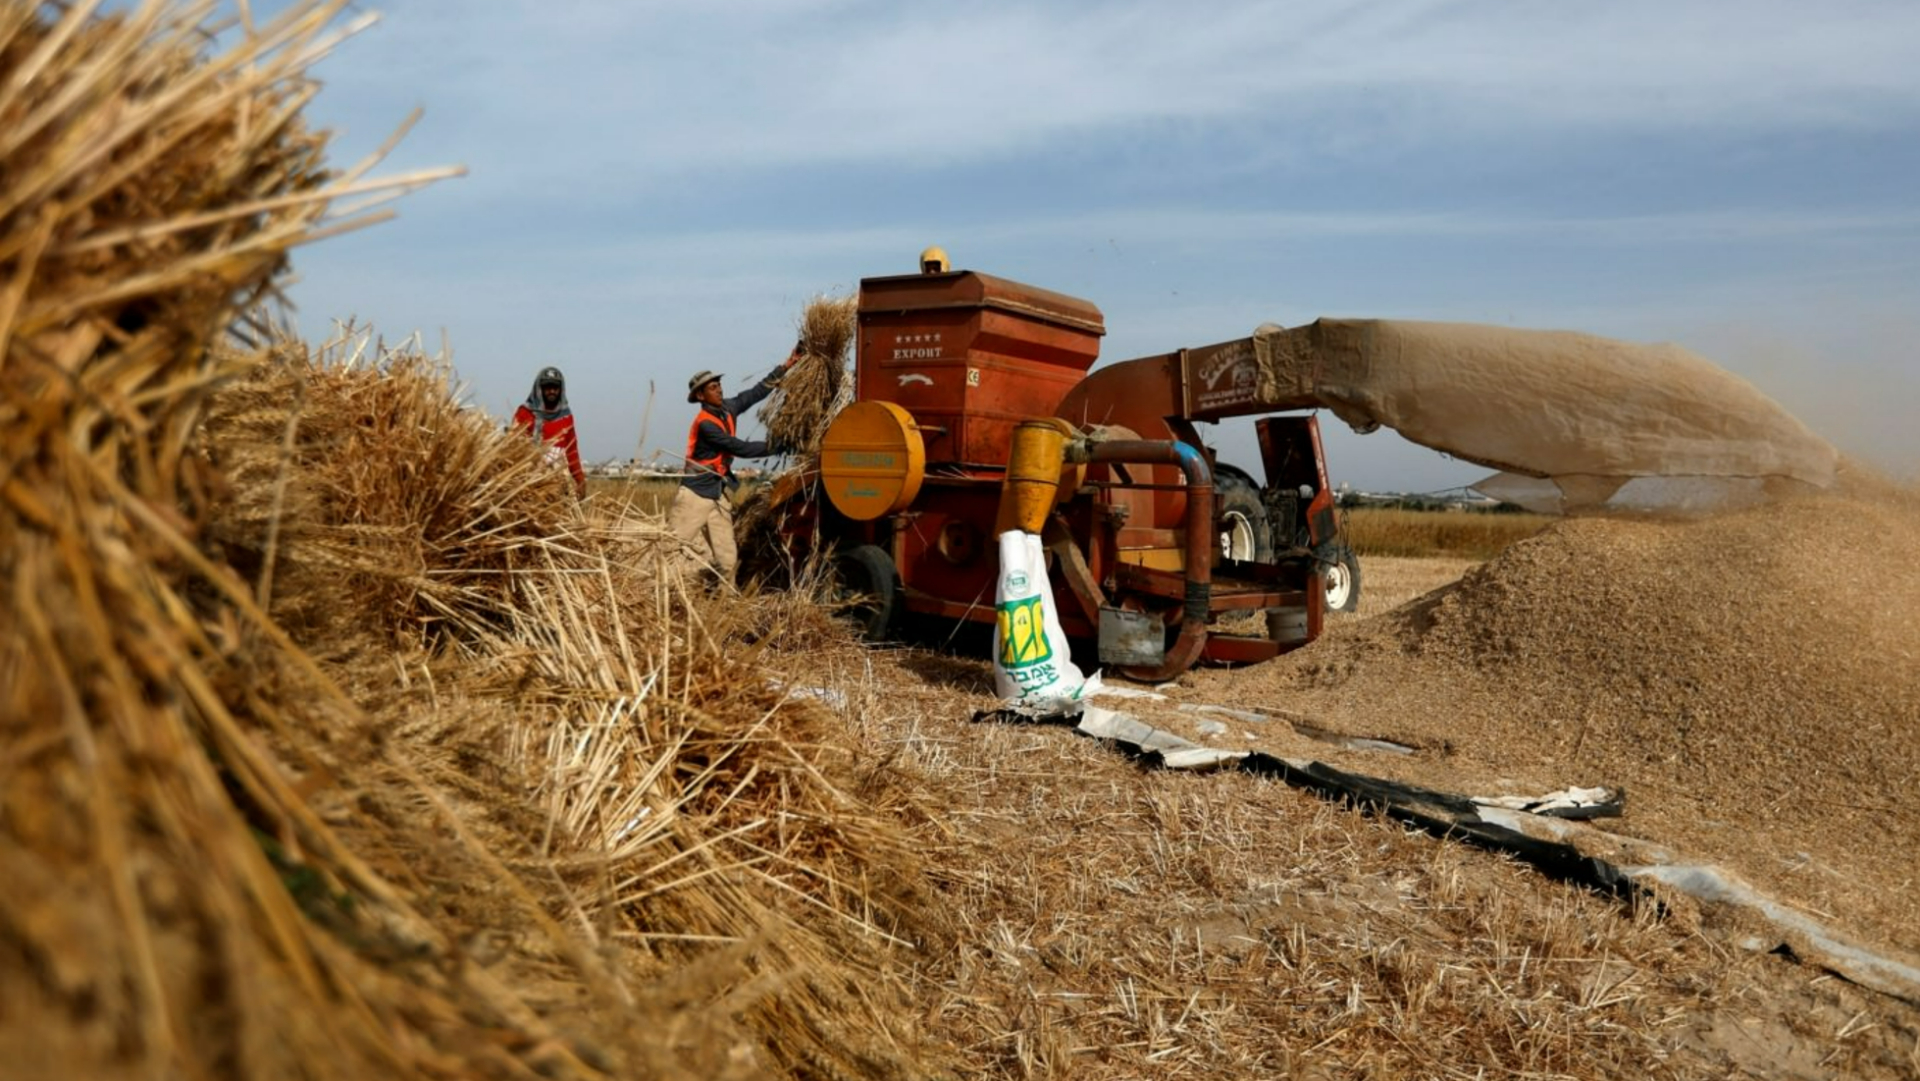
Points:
(559, 436)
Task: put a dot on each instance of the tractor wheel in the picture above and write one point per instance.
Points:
(868, 590)
(1343, 581)
(1244, 535)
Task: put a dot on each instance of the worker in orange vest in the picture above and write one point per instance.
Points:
(546, 417)
(700, 515)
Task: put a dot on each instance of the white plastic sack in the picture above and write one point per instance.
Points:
(1031, 664)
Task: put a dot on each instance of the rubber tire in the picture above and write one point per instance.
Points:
(1344, 562)
(1240, 499)
(870, 585)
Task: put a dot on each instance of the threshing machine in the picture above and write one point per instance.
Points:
(1161, 556)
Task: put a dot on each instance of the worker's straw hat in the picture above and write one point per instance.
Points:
(700, 379)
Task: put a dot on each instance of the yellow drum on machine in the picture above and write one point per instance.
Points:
(872, 460)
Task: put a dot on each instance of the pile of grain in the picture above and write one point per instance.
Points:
(1753, 679)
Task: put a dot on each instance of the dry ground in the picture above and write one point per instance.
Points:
(335, 744)
(1111, 921)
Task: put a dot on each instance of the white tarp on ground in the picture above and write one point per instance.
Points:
(1884, 970)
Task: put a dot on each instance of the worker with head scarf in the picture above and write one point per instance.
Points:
(547, 419)
(700, 515)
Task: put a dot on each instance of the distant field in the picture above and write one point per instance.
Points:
(1372, 531)
(1465, 534)
(648, 495)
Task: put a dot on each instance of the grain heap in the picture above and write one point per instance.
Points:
(1755, 707)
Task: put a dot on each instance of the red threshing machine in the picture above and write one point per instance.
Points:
(1153, 545)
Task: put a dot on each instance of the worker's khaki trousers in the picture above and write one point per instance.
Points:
(705, 529)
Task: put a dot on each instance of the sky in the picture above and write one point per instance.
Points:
(656, 188)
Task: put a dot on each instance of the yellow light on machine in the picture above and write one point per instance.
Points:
(872, 460)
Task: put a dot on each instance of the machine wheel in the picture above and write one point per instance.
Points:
(1244, 535)
(1343, 581)
(868, 590)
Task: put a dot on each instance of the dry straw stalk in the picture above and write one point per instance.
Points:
(818, 384)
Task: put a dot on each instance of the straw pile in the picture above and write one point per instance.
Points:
(225, 859)
(579, 717)
(366, 503)
(174, 902)
(147, 922)
(818, 385)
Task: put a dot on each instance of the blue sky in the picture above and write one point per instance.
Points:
(656, 188)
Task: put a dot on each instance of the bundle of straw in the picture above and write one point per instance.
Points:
(221, 864)
(696, 803)
(367, 502)
(797, 415)
(173, 904)
(816, 386)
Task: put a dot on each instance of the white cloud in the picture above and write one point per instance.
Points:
(679, 88)
(922, 123)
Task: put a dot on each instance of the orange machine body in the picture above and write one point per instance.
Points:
(960, 359)
(970, 356)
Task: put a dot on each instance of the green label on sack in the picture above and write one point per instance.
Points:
(1023, 634)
